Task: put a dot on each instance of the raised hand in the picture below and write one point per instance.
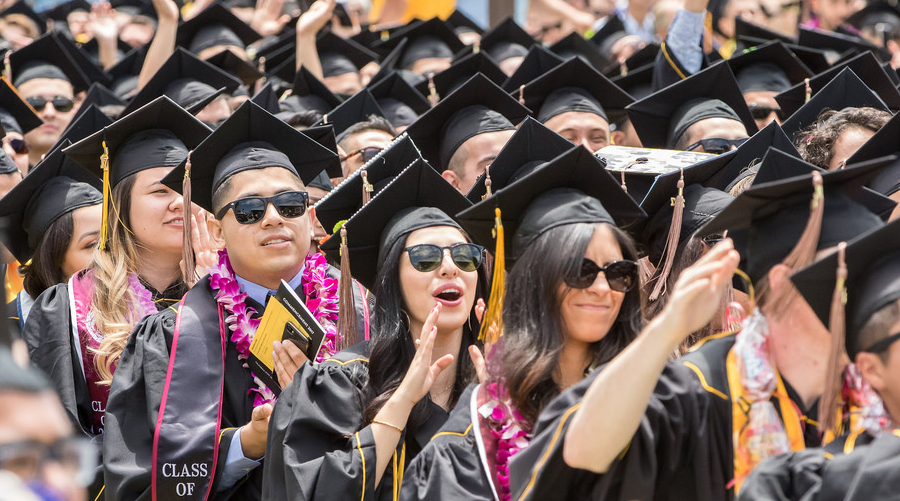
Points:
(102, 23)
(268, 18)
(206, 252)
(422, 373)
(311, 21)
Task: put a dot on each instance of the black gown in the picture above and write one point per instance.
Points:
(135, 398)
(327, 453)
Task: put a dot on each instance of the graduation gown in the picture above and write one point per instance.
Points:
(454, 465)
(682, 449)
(133, 410)
(328, 454)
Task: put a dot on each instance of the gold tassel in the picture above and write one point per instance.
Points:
(433, 97)
(104, 223)
(487, 183)
(492, 323)
(668, 258)
(367, 187)
(476, 47)
(189, 264)
(808, 90)
(835, 368)
(346, 324)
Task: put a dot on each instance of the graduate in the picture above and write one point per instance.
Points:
(350, 425)
(681, 430)
(176, 428)
(559, 320)
(866, 271)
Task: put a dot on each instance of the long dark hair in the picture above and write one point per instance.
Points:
(534, 332)
(45, 269)
(391, 345)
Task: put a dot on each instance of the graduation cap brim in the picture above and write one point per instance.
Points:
(130, 64)
(359, 55)
(864, 65)
(506, 31)
(531, 142)
(574, 73)
(417, 186)
(161, 113)
(461, 70)
(48, 49)
(87, 121)
(250, 123)
(389, 62)
(612, 26)
(885, 142)
(394, 86)
(324, 135)
(356, 109)
(577, 168)
(728, 166)
(640, 59)
(228, 62)
(434, 27)
(343, 201)
(652, 115)
(267, 99)
(637, 83)
(575, 45)
(89, 67)
(745, 28)
(774, 52)
(478, 90)
(215, 13)
(840, 43)
(845, 90)
(183, 64)
(306, 84)
(459, 20)
(537, 62)
(18, 107)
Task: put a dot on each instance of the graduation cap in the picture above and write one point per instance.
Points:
(864, 65)
(505, 40)
(880, 17)
(744, 28)
(22, 8)
(357, 189)
(459, 72)
(462, 23)
(573, 86)
(357, 109)
(191, 82)
(777, 217)
(267, 99)
(215, 25)
(124, 74)
(608, 34)
(277, 54)
(16, 114)
(228, 62)
(61, 12)
(845, 90)
(768, 67)
(537, 62)
(637, 83)
(644, 56)
(574, 45)
(91, 48)
(309, 93)
(339, 56)
(89, 119)
(134, 7)
(46, 57)
(530, 146)
(428, 39)
(839, 43)
(416, 198)
(100, 96)
(53, 188)
(390, 64)
(401, 103)
(661, 118)
(251, 138)
(479, 106)
(884, 142)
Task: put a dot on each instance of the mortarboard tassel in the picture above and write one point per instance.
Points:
(476, 47)
(433, 97)
(188, 263)
(668, 258)
(104, 223)
(645, 270)
(835, 368)
(808, 90)
(367, 187)
(487, 183)
(346, 324)
(492, 322)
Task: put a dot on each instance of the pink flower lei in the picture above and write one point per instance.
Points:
(506, 426)
(321, 299)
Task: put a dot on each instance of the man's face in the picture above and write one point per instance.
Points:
(346, 84)
(216, 111)
(724, 128)
(273, 248)
(479, 151)
(833, 13)
(625, 135)
(355, 145)
(428, 65)
(586, 129)
(763, 107)
(36, 91)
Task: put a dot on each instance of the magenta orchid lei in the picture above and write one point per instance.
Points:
(506, 426)
(322, 301)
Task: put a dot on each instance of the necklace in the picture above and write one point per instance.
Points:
(507, 426)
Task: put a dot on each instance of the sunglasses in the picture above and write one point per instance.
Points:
(368, 153)
(763, 112)
(59, 103)
(620, 275)
(19, 146)
(428, 257)
(290, 204)
(717, 145)
(712, 240)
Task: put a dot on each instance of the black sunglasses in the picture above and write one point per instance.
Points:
(368, 153)
(763, 112)
(428, 257)
(19, 146)
(59, 103)
(620, 275)
(717, 145)
(290, 204)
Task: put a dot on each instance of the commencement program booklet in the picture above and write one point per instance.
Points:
(286, 318)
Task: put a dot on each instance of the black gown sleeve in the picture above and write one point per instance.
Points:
(449, 467)
(678, 452)
(318, 449)
(793, 476)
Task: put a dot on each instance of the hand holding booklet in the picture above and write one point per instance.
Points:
(286, 318)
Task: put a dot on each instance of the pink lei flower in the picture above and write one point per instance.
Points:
(506, 425)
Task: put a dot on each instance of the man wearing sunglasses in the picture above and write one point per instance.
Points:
(362, 141)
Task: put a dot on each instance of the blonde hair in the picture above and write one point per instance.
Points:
(113, 301)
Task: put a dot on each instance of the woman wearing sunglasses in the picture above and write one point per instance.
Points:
(350, 425)
(571, 302)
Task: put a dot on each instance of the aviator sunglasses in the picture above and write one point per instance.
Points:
(60, 103)
(428, 257)
(290, 204)
(620, 275)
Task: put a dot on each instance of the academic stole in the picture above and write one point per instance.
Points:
(188, 427)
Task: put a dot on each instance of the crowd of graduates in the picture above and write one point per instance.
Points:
(628, 250)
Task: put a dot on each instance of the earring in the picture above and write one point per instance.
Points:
(405, 317)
